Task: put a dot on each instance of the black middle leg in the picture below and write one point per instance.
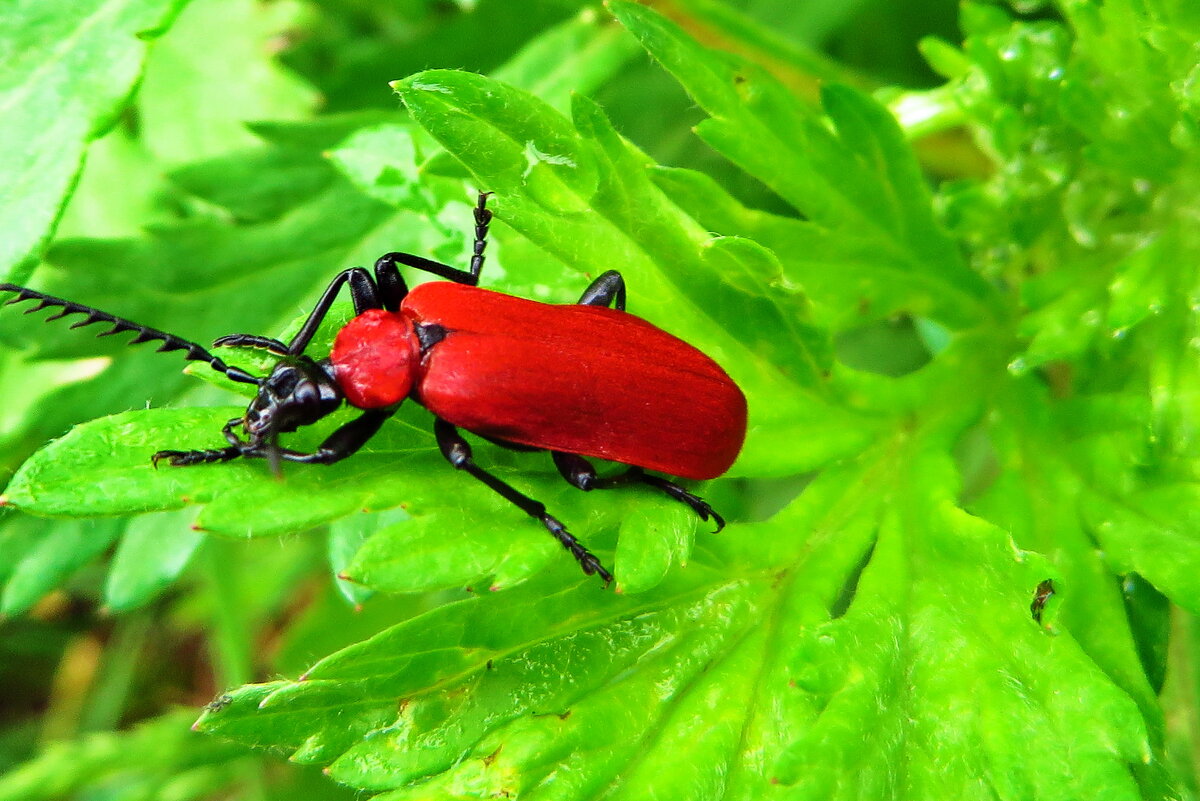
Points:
(458, 452)
(344, 441)
(580, 473)
(387, 272)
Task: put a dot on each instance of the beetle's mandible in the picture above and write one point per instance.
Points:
(583, 380)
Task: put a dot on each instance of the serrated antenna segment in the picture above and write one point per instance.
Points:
(144, 332)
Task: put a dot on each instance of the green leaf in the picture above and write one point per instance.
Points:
(70, 70)
(346, 537)
(649, 692)
(858, 178)
(424, 554)
(654, 537)
(153, 551)
(58, 550)
(483, 652)
(213, 73)
(159, 758)
(576, 56)
(257, 184)
(975, 672)
(1152, 533)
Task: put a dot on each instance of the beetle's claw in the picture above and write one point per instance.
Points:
(701, 507)
(593, 566)
(172, 458)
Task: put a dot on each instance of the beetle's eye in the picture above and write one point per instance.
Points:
(306, 394)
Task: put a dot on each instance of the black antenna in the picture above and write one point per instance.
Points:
(144, 332)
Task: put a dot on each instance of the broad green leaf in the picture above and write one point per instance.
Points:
(1152, 533)
(460, 532)
(1028, 501)
(648, 692)
(382, 161)
(425, 554)
(257, 184)
(654, 537)
(104, 467)
(68, 70)
(961, 669)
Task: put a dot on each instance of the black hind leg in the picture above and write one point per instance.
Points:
(580, 473)
(458, 453)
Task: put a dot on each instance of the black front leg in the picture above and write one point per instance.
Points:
(186, 458)
(458, 452)
(251, 341)
(363, 292)
(343, 442)
(580, 473)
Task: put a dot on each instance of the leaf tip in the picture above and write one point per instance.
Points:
(4, 501)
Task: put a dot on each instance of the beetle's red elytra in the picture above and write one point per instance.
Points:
(581, 381)
(587, 380)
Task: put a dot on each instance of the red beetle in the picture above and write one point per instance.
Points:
(581, 380)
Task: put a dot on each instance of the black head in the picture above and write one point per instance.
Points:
(298, 392)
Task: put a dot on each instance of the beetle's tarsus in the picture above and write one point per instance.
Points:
(588, 561)
(187, 458)
(580, 473)
(251, 341)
